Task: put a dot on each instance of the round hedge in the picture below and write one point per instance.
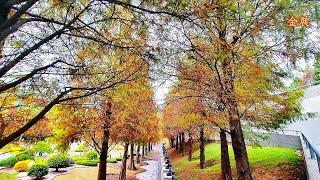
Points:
(38, 170)
(58, 161)
(22, 166)
(92, 154)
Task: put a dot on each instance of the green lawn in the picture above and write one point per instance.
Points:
(258, 157)
(7, 176)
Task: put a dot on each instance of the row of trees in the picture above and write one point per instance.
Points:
(235, 61)
(68, 58)
(81, 69)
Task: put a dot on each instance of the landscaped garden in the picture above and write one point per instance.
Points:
(43, 161)
(88, 86)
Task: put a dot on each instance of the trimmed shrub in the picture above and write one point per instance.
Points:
(9, 162)
(25, 155)
(42, 147)
(92, 154)
(87, 162)
(38, 170)
(81, 148)
(58, 161)
(22, 166)
(112, 160)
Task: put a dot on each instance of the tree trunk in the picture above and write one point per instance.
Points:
(149, 147)
(4, 11)
(122, 175)
(202, 143)
(190, 148)
(177, 142)
(240, 153)
(230, 99)
(138, 154)
(102, 172)
(143, 151)
(182, 144)
(225, 161)
(172, 142)
(131, 165)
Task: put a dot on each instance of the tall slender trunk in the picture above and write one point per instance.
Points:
(143, 151)
(131, 165)
(229, 97)
(225, 161)
(190, 147)
(138, 154)
(122, 175)
(182, 143)
(240, 153)
(202, 143)
(177, 142)
(172, 142)
(146, 149)
(149, 147)
(102, 172)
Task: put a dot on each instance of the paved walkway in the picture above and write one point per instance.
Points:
(312, 165)
(151, 168)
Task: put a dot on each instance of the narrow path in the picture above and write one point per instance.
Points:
(151, 168)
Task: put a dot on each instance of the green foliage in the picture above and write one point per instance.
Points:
(22, 166)
(7, 176)
(112, 160)
(11, 148)
(258, 157)
(42, 147)
(38, 170)
(58, 161)
(316, 71)
(119, 158)
(25, 155)
(87, 162)
(9, 162)
(82, 148)
(92, 154)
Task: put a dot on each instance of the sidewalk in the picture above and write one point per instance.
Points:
(151, 168)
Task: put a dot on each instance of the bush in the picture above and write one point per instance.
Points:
(92, 154)
(112, 160)
(58, 161)
(42, 147)
(119, 158)
(25, 155)
(9, 162)
(38, 170)
(8, 176)
(22, 166)
(81, 148)
(87, 162)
